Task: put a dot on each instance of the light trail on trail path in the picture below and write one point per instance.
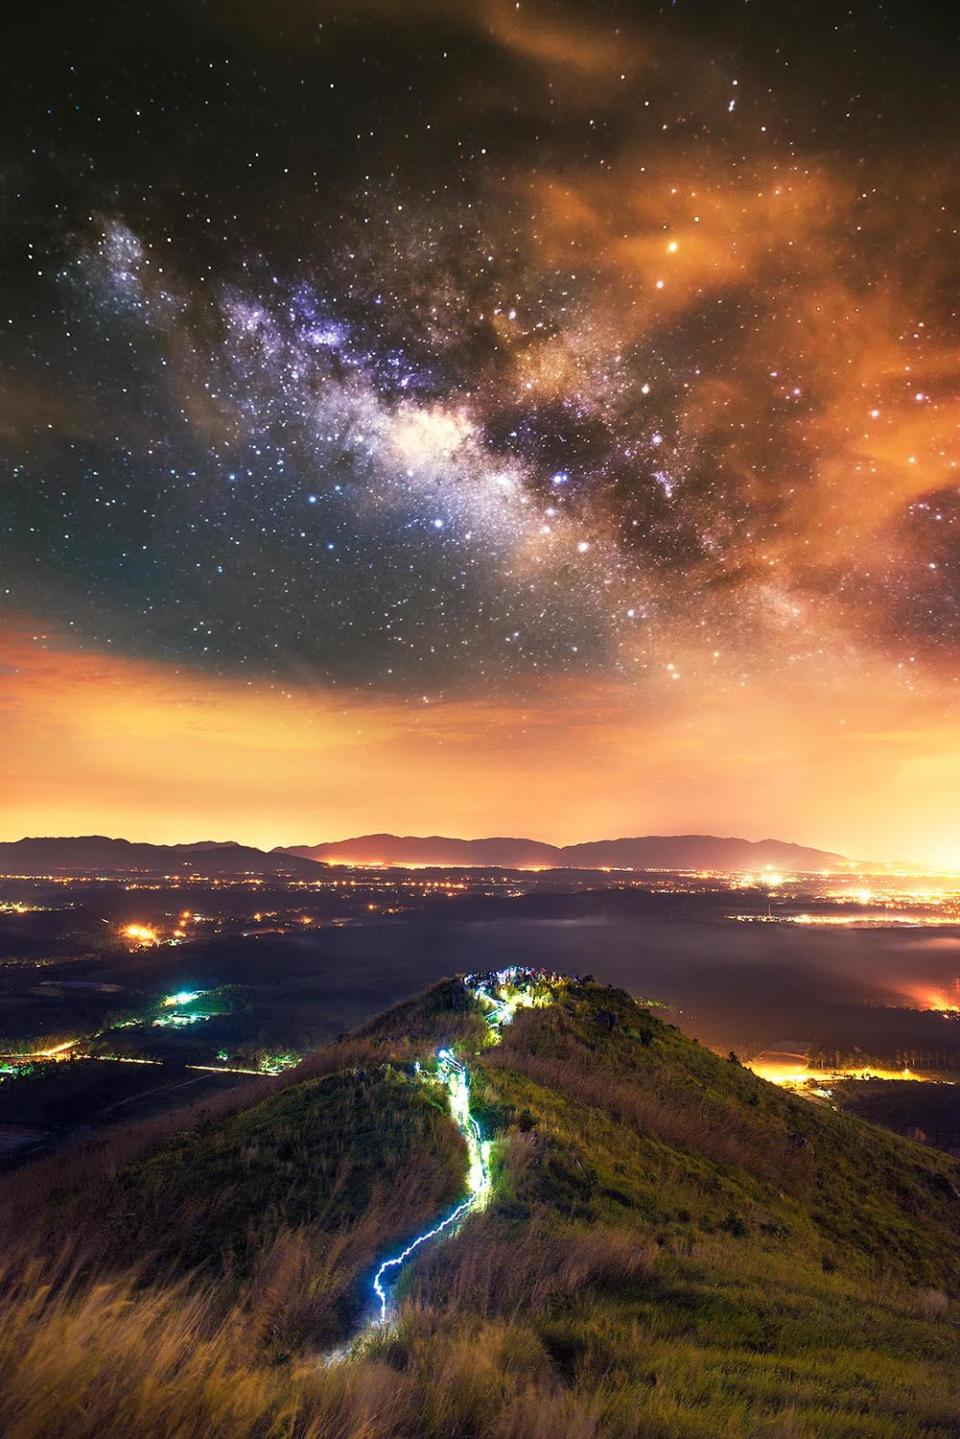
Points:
(453, 1073)
(500, 994)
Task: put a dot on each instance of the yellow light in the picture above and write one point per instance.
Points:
(140, 933)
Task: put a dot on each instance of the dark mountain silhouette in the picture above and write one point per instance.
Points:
(96, 854)
(682, 851)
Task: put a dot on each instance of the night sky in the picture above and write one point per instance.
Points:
(483, 415)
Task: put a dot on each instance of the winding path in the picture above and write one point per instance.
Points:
(499, 995)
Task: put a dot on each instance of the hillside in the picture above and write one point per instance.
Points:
(679, 851)
(668, 1246)
(97, 854)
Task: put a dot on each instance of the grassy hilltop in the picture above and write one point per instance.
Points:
(674, 1250)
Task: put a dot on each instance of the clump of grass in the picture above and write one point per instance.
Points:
(507, 1270)
(108, 1359)
(933, 1304)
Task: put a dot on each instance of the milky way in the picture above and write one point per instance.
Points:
(428, 347)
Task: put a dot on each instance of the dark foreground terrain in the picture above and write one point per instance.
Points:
(672, 1248)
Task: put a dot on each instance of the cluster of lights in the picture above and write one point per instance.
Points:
(144, 935)
(176, 1015)
(141, 935)
(277, 1063)
(182, 996)
(800, 1076)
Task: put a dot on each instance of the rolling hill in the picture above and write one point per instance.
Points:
(668, 1246)
(682, 851)
(97, 854)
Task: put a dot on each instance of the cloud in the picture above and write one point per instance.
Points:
(557, 39)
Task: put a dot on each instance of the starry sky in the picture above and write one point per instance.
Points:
(481, 417)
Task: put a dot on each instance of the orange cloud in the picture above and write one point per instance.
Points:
(557, 40)
(553, 37)
(696, 227)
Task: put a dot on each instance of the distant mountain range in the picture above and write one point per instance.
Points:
(679, 851)
(96, 854)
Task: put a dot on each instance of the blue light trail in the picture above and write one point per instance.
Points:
(500, 994)
(455, 1076)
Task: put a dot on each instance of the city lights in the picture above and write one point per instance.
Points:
(141, 934)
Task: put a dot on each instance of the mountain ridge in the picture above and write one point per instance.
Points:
(99, 853)
(687, 851)
(105, 854)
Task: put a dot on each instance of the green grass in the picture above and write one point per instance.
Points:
(698, 1144)
(326, 1154)
(773, 1261)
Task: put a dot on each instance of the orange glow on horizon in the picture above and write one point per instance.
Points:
(102, 743)
(796, 1072)
(923, 996)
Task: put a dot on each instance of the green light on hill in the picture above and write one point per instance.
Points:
(183, 996)
(277, 1063)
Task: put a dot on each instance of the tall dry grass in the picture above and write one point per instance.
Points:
(503, 1272)
(104, 1359)
(109, 1361)
(526, 1326)
(687, 1120)
(509, 1333)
